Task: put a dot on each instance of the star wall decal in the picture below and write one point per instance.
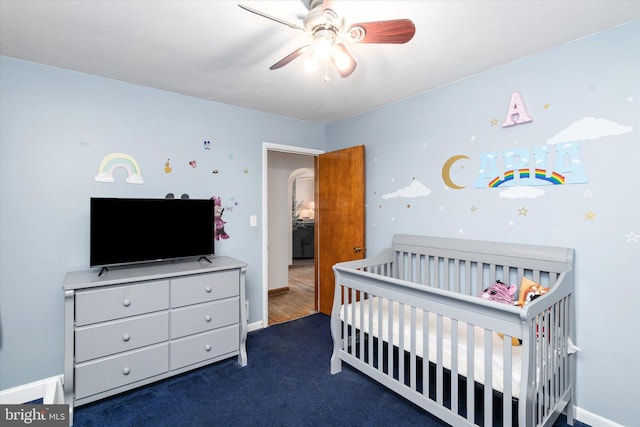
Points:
(590, 216)
(632, 237)
(494, 122)
(546, 106)
(523, 211)
(587, 193)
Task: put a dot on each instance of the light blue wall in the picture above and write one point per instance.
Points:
(411, 140)
(56, 126)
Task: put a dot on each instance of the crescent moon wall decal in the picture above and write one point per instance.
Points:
(446, 171)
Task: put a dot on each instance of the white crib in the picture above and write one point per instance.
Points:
(411, 319)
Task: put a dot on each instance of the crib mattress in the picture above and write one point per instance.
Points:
(478, 344)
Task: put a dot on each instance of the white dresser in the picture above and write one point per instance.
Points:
(132, 326)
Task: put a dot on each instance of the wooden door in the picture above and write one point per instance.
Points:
(340, 216)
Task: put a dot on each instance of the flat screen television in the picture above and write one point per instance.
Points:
(134, 230)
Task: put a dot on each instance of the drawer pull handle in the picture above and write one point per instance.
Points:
(126, 371)
(208, 289)
(207, 318)
(207, 347)
(126, 303)
(126, 337)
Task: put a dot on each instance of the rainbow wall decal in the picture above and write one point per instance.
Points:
(555, 178)
(112, 161)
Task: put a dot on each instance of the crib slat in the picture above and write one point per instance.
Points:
(426, 380)
(401, 343)
(352, 321)
(478, 277)
(545, 334)
(470, 373)
(439, 363)
(381, 334)
(507, 378)
(361, 323)
(492, 273)
(564, 375)
(488, 379)
(539, 398)
(467, 279)
(454, 365)
(390, 340)
(415, 261)
(445, 270)
(455, 284)
(345, 325)
(544, 353)
(370, 325)
(555, 352)
(412, 359)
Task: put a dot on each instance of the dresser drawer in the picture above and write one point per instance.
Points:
(115, 302)
(204, 287)
(204, 317)
(207, 345)
(115, 371)
(108, 338)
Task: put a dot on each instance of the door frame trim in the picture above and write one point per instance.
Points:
(266, 147)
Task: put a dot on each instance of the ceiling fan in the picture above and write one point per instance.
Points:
(330, 36)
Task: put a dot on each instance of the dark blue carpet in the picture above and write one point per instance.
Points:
(286, 383)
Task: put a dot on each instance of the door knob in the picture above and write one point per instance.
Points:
(357, 249)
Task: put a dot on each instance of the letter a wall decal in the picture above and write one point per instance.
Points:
(517, 113)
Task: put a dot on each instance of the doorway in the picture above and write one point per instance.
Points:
(288, 222)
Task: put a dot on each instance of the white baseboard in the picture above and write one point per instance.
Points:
(592, 419)
(49, 390)
(255, 326)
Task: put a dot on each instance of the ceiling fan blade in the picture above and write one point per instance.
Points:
(392, 31)
(326, 4)
(293, 55)
(312, 4)
(343, 60)
(273, 18)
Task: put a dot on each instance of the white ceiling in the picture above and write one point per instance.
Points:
(218, 51)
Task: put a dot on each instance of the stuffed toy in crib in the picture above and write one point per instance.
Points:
(502, 293)
(529, 290)
(499, 292)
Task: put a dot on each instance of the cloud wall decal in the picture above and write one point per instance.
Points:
(589, 128)
(522, 192)
(415, 189)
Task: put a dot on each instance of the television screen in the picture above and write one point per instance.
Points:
(128, 231)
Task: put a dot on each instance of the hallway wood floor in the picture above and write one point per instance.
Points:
(298, 301)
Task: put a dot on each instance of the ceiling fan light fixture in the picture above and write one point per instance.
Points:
(328, 32)
(340, 58)
(321, 49)
(311, 64)
(343, 60)
(323, 41)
